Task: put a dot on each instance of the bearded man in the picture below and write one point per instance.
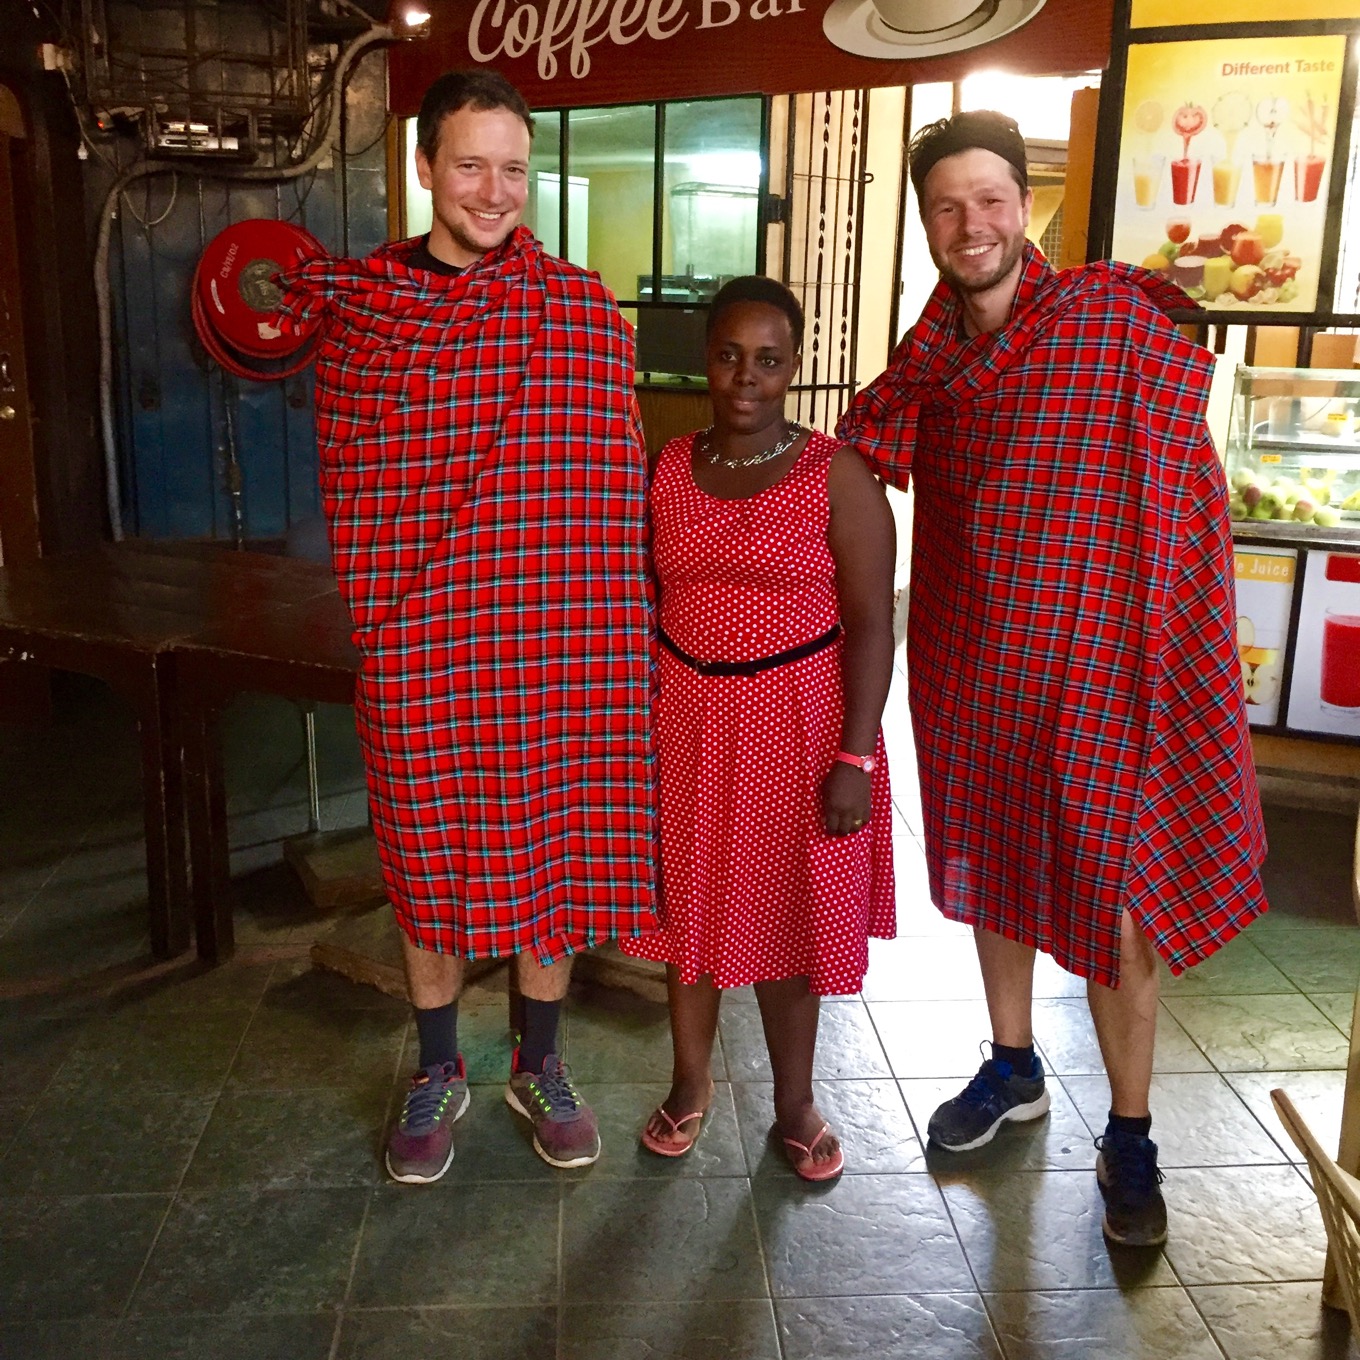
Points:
(1086, 771)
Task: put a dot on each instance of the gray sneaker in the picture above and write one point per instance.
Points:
(565, 1130)
(997, 1094)
(420, 1145)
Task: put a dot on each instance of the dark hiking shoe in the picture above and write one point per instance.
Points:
(1129, 1180)
(994, 1096)
(420, 1146)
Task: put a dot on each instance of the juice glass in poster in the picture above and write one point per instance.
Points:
(1245, 127)
(1341, 659)
(1325, 693)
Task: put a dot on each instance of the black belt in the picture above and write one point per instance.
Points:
(763, 663)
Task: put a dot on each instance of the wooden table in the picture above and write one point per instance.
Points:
(114, 613)
(302, 650)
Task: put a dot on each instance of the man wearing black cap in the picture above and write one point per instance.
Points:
(1086, 773)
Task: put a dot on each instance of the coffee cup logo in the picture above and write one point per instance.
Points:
(930, 16)
(902, 30)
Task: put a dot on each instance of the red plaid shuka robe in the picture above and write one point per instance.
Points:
(485, 483)
(1075, 687)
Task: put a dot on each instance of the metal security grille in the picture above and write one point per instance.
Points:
(824, 137)
(205, 76)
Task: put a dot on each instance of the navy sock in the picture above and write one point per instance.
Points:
(1120, 1123)
(438, 1031)
(1020, 1059)
(539, 1037)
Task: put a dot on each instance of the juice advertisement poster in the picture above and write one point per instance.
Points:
(1180, 13)
(1265, 590)
(1225, 160)
(1324, 695)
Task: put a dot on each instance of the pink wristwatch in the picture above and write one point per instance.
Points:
(865, 763)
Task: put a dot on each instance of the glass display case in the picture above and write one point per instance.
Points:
(1293, 465)
(1293, 453)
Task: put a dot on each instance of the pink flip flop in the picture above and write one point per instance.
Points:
(653, 1144)
(804, 1165)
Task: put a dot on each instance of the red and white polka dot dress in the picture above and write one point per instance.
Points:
(753, 889)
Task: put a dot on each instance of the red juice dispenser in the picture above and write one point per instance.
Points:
(1341, 635)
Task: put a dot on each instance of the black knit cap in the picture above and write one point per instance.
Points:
(963, 132)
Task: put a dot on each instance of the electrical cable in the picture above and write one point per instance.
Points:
(146, 222)
(364, 150)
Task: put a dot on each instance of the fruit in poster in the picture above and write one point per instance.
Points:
(1208, 265)
(1246, 281)
(1217, 274)
(1188, 271)
(1279, 267)
(1271, 228)
(1264, 686)
(1261, 668)
(1189, 121)
(1147, 117)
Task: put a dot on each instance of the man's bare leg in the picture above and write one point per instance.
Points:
(431, 979)
(1125, 1018)
(1008, 980)
(543, 982)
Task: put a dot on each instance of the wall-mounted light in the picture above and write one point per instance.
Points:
(412, 22)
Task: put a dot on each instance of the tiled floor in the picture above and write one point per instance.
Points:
(188, 1159)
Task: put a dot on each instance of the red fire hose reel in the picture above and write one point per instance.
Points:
(235, 300)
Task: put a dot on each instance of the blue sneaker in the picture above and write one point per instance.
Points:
(995, 1095)
(1130, 1181)
(420, 1145)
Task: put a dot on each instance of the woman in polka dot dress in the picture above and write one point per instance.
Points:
(774, 550)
